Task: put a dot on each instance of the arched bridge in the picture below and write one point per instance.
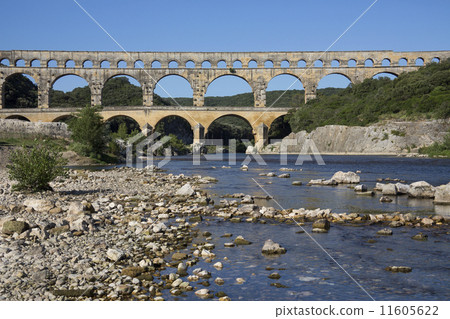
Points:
(199, 69)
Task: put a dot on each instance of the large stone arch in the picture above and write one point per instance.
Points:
(17, 117)
(285, 128)
(111, 75)
(99, 87)
(210, 121)
(378, 71)
(156, 80)
(241, 76)
(283, 72)
(186, 136)
(113, 114)
(338, 72)
(4, 78)
(55, 77)
(63, 118)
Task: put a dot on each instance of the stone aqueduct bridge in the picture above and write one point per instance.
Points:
(199, 69)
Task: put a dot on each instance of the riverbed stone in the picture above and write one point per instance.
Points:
(115, 254)
(346, 178)
(385, 232)
(274, 275)
(203, 293)
(442, 195)
(77, 208)
(219, 281)
(179, 256)
(133, 271)
(420, 236)
(421, 189)
(403, 269)
(39, 205)
(360, 188)
(321, 225)
(285, 175)
(297, 183)
(402, 188)
(385, 199)
(14, 226)
(427, 221)
(272, 248)
(389, 189)
(185, 190)
(240, 240)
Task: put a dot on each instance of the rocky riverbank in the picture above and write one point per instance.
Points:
(385, 138)
(128, 234)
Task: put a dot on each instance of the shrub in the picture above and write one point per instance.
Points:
(35, 167)
(398, 133)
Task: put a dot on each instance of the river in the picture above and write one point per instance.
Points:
(307, 271)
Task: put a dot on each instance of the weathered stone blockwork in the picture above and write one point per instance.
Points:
(150, 67)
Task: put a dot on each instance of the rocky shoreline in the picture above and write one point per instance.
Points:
(122, 234)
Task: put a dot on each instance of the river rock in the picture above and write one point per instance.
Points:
(271, 174)
(427, 221)
(361, 188)
(379, 187)
(133, 271)
(404, 269)
(159, 227)
(182, 269)
(285, 175)
(442, 194)
(346, 178)
(274, 275)
(218, 265)
(247, 199)
(202, 293)
(59, 230)
(176, 283)
(247, 208)
(39, 205)
(389, 189)
(244, 167)
(239, 240)
(219, 281)
(80, 208)
(385, 199)
(272, 248)
(328, 182)
(14, 226)
(321, 225)
(385, 232)
(179, 256)
(402, 188)
(421, 190)
(420, 236)
(185, 190)
(115, 254)
(79, 225)
(297, 183)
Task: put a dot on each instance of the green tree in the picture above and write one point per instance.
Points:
(35, 167)
(89, 133)
(20, 92)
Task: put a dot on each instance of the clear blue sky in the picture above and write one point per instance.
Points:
(294, 25)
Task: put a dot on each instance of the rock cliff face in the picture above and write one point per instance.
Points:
(382, 138)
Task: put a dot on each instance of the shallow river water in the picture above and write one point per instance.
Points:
(307, 271)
